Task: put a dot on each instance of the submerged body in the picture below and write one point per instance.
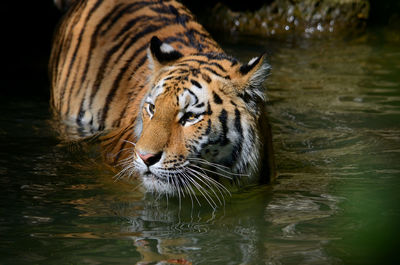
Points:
(171, 105)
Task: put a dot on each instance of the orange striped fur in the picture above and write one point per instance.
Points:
(162, 91)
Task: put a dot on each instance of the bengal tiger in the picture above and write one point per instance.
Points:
(173, 108)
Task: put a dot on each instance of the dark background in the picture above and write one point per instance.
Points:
(27, 29)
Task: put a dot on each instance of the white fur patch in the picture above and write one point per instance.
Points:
(151, 61)
(87, 118)
(157, 90)
(138, 127)
(258, 78)
(188, 100)
(252, 61)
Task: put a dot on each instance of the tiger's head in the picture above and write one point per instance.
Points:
(198, 120)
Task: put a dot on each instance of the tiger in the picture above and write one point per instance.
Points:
(172, 108)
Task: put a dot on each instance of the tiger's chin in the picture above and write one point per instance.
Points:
(157, 184)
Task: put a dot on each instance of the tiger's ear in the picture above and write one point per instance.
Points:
(161, 54)
(251, 77)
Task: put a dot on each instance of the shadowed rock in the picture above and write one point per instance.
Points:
(308, 17)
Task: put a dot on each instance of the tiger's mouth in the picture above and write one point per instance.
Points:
(160, 183)
(194, 178)
(153, 176)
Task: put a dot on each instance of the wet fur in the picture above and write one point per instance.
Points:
(114, 63)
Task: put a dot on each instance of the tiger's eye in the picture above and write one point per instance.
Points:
(191, 117)
(150, 108)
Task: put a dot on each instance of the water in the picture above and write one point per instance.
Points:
(335, 111)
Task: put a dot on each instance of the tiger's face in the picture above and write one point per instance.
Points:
(198, 120)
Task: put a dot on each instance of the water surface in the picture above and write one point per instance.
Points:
(335, 112)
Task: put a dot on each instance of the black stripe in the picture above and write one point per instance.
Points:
(113, 50)
(218, 65)
(101, 71)
(93, 41)
(91, 11)
(217, 99)
(195, 83)
(182, 65)
(194, 95)
(64, 45)
(129, 9)
(111, 139)
(130, 95)
(194, 60)
(208, 129)
(237, 148)
(171, 10)
(219, 56)
(110, 96)
(238, 124)
(206, 78)
(115, 86)
(80, 113)
(141, 34)
(209, 111)
(121, 149)
(58, 41)
(190, 34)
(64, 48)
(212, 71)
(223, 119)
(202, 62)
(172, 39)
(180, 18)
(245, 96)
(200, 105)
(131, 23)
(245, 68)
(142, 60)
(71, 93)
(168, 78)
(163, 9)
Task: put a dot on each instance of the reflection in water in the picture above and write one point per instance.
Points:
(335, 112)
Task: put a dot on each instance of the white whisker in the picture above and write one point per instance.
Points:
(216, 184)
(208, 162)
(219, 167)
(190, 187)
(176, 185)
(132, 143)
(203, 180)
(211, 171)
(186, 186)
(205, 194)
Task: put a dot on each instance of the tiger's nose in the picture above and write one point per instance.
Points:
(150, 159)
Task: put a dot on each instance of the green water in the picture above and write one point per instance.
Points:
(335, 111)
